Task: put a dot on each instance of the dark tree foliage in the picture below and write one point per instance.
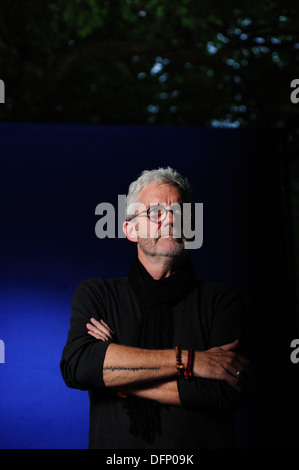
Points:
(187, 62)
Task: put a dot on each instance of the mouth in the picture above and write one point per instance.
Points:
(170, 237)
(171, 234)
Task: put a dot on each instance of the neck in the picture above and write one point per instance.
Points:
(160, 267)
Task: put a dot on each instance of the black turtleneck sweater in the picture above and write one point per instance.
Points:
(210, 315)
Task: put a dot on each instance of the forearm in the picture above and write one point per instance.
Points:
(124, 365)
(164, 392)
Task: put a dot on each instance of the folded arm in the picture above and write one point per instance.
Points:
(152, 374)
(90, 364)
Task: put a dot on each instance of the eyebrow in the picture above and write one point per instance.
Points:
(163, 203)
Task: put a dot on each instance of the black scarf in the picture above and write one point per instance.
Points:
(155, 331)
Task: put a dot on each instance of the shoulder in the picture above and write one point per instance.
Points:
(99, 287)
(215, 288)
(100, 284)
(217, 293)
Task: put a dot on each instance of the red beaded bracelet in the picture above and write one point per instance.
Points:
(184, 371)
(188, 370)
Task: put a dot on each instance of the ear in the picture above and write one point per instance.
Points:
(130, 231)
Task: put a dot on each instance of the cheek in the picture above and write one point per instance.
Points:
(147, 229)
(141, 228)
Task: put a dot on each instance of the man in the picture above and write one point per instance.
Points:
(159, 350)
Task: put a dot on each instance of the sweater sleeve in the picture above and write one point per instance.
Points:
(229, 322)
(83, 356)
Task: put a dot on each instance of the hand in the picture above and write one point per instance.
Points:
(221, 363)
(99, 330)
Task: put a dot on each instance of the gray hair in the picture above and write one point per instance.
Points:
(159, 176)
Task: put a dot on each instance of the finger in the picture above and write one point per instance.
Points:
(230, 346)
(95, 334)
(108, 329)
(235, 365)
(242, 377)
(239, 375)
(233, 382)
(98, 333)
(102, 326)
(93, 329)
(105, 324)
(89, 326)
(242, 363)
(95, 322)
(98, 336)
(231, 369)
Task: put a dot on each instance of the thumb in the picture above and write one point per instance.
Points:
(230, 346)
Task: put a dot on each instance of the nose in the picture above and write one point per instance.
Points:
(169, 217)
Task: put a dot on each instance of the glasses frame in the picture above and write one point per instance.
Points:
(148, 213)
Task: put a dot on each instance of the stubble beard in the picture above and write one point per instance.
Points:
(150, 247)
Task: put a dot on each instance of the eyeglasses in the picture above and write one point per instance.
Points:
(158, 213)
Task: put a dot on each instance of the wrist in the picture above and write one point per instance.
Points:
(184, 357)
(184, 362)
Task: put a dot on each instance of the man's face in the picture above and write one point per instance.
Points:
(156, 239)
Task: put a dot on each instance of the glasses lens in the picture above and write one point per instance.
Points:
(156, 213)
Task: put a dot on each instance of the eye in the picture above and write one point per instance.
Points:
(177, 211)
(155, 210)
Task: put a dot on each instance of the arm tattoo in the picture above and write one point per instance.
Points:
(133, 369)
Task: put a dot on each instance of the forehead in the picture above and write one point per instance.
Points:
(156, 193)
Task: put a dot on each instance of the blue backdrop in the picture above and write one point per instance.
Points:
(52, 178)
